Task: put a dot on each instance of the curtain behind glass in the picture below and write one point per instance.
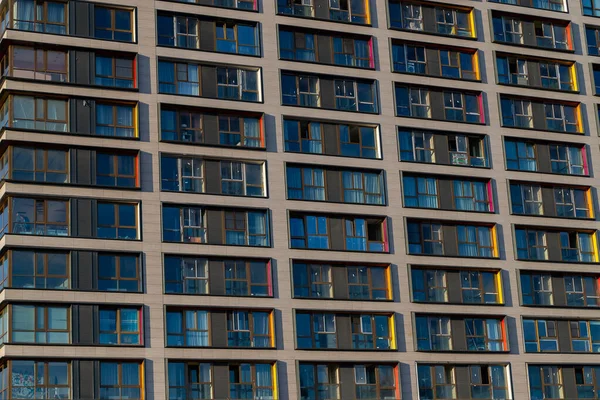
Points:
(24, 11)
(467, 234)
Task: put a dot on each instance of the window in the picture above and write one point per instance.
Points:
(409, 58)
(37, 113)
(568, 159)
(453, 22)
(551, 36)
(592, 35)
(411, 16)
(591, 8)
(476, 241)
(368, 283)
(188, 328)
(531, 244)
(116, 120)
(516, 113)
(429, 286)
(421, 192)
(545, 382)
(118, 273)
(556, 76)
(40, 324)
(184, 224)
(245, 228)
(507, 29)
(181, 126)
(371, 331)
(354, 96)
(433, 333)
(186, 34)
(540, 336)
(182, 174)
(362, 187)
(436, 382)
(179, 78)
(536, 289)
(117, 170)
(189, 379)
(120, 326)
(40, 217)
(48, 380)
(238, 84)
(485, 334)
(461, 107)
(563, 118)
(238, 38)
(113, 24)
(40, 165)
(512, 71)
(300, 90)
(247, 278)
(309, 232)
(40, 16)
(39, 63)
(240, 132)
(375, 382)
(304, 183)
(458, 64)
(364, 235)
(489, 382)
(586, 379)
(117, 221)
(471, 195)
(315, 331)
(571, 202)
(578, 246)
(412, 102)
(298, 46)
(121, 380)
(186, 275)
(319, 381)
(520, 156)
(251, 381)
(526, 199)
(352, 52)
(425, 238)
(582, 291)
(40, 270)
(312, 280)
(242, 178)
(350, 11)
(416, 146)
(295, 7)
(249, 329)
(115, 72)
(585, 336)
(480, 287)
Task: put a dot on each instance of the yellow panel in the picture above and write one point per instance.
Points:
(573, 73)
(392, 322)
(590, 203)
(274, 375)
(272, 328)
(388, 280)
(499, 287)
(472, 19)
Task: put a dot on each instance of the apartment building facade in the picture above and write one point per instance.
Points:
(299, 199)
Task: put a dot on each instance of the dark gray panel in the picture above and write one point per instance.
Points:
(433, 61)
(85, 270)
(331, 139)
(334, 186)
(569, 382)
(214, 221)
(336, 234)
(347, 385)
(211, 128)
(209, 81)
(533, 69)
(86, 326)
(529, 38)
(553, 242)
(340, 282)
(463, 381)
(324, 49)
(83, 116)
(564, 335)
(440, 144)
(450, 240)
(558, 291)
(445, 191)
(344, 331)
(429, 23)
(207, 35)
(216, 273)
(525, 3)
(454, 288)
(321, 9)
(436, 98)
(221, 380)
(459, 338)
(539, 115)
(218, 328)
(543, 157)
(548, 201)
(87, 381)
(82, 11)
(83, 223)
(83, 167)
(81, 68)
(213, 176)
(327, 93)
